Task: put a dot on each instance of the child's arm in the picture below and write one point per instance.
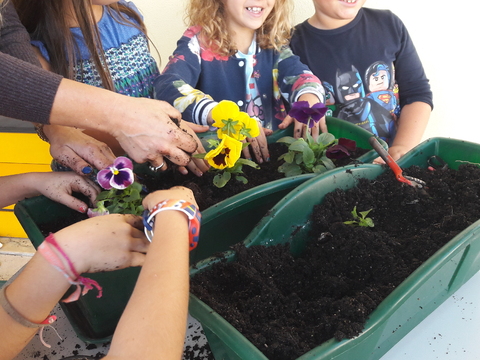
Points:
(56, 186)
(411, 127)
(298, 81)
(102, 243)
(179, 79)
(153, 324)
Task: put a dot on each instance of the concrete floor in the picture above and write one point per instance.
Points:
(14, 254)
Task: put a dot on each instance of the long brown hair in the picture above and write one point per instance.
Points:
(46, 20)
(210, 15)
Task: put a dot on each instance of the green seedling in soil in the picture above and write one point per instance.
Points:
(360, 219)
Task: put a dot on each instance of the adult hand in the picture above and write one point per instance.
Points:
(197, 166)
(59, 187)
(176, 192)
(149, 131)
(104, 243)
(259, 146)
(79, 151)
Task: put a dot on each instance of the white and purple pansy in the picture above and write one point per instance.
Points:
(118, 176)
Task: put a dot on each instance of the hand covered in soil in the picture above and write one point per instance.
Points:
(197, 166)
(104, 243)
(147, 132)
(259, 146)
(72, 148)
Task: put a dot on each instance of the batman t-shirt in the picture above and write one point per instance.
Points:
(369, 69)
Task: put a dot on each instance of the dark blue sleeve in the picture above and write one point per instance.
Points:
(412, 81)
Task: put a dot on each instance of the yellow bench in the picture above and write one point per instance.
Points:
(20, 153)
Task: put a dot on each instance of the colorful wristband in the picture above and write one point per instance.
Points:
(194, 217)
(55, 255)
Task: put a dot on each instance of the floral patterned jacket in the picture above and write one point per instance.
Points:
(196, 79)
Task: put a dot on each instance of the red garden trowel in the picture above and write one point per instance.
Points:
(409, 180)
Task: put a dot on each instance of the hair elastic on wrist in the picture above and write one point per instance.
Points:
(55, 255)
(19, 318)
(193, 214)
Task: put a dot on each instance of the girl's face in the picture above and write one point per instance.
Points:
(331, 14)
(247, 15)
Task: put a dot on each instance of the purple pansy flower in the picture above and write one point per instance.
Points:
(342, 149)
(119, 175)
(302, 112)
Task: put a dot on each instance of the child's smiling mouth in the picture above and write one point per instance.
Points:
(255, 9)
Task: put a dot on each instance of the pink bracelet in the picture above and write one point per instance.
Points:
(55, 255)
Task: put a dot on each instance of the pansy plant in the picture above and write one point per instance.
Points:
(122, 193)
(310, 155)
(233, 127)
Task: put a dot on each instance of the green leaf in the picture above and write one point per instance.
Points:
(317, 169)
(250, 163)
(364, 214)
(289, 157)
(298, 158)
(242, 179)
(299, 145)
(290, 169)
(368, 222)
(199, 156)
(308, 157)
(220, 180)
(326, 139)
(286, 140)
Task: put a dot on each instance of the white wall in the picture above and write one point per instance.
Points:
(445, 38)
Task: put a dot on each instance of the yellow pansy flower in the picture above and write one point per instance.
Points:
(232, 122)
(226, 154)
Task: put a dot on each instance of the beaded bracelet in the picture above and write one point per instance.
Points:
(194, 217)
(41, 133)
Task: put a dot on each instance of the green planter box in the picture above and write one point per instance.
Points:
(94, 320)
(411, 302)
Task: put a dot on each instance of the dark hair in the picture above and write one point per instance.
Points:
(46, 20)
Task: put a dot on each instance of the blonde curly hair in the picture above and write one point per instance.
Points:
(210, 15)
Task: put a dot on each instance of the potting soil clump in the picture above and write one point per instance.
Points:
(288, 305)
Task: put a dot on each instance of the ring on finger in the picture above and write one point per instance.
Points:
(156, 168)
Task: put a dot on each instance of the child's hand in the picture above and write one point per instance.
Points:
(197, 166)
(396, 152)
(176, 192)
(259, 146)
(300, 129)
(104, 243)
(59, 187)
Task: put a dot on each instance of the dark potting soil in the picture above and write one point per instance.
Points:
(206, 194)
(288, 305)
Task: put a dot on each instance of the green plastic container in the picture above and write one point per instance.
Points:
(411, 302)
(223, 225)
(237, 215)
